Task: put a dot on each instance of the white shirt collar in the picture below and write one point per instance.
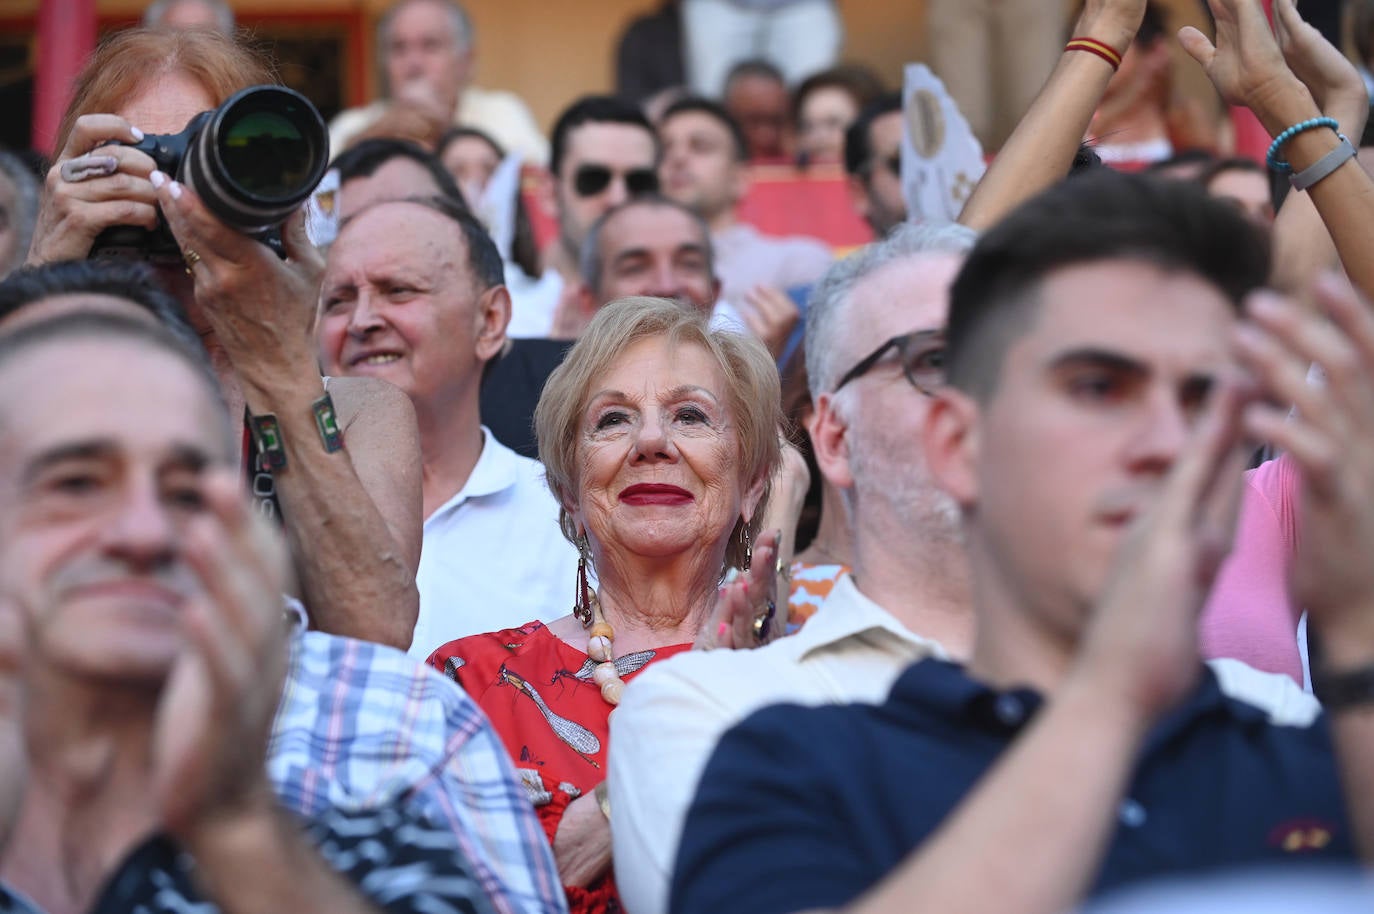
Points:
(495, 471)
(847, 613)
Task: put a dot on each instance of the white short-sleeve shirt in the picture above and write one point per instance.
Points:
(492, 556)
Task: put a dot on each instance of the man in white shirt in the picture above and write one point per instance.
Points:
(413, 294)
(426, 47)
(907, 598)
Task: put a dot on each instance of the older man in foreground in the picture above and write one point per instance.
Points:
(154, 603)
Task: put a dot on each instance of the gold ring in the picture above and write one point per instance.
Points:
(191, 258)
(763, 622)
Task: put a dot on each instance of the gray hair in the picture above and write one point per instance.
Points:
(458, 17)
(25, 214)
(224, 15)
(459, 21)
(589, 261)
(826, 315)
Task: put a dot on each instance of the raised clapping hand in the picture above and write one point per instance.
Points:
(1330, 435)
(1112, 21)
(1141, 642)
(94, 184)
(1246, 65)
(217, 708)
(745, 597)
(771, 315)
(1329, 75)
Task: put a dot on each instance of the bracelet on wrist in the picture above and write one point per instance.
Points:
(1324, 166)
(1097, 48)
(267, 434)
(1345, 689)
(327, 423)
(267, 439)
(1272, 156)
(603, 799)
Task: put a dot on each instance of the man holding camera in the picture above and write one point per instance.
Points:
(337, 461)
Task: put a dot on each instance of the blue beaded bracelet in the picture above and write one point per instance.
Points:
(1272, 156)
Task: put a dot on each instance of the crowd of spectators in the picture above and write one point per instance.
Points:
(521, 525)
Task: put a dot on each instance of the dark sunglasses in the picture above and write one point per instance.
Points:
(922, 355)
(590, 180)
(893, 163)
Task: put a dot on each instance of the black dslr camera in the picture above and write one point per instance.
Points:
(252, 161)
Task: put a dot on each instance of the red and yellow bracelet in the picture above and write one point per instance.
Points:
(1093, 46)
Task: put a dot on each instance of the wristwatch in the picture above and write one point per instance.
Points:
(1345, 689)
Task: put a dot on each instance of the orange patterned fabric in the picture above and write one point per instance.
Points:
(811, 584)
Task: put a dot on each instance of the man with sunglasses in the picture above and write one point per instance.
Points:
(873, 161)
(705, 167)
(604, 152)
(874, 344)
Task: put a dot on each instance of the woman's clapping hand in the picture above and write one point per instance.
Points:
(747, 612)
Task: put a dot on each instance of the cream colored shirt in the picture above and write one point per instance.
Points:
(667, 725)
(501, 114)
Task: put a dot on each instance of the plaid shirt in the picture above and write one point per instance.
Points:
(362, 726)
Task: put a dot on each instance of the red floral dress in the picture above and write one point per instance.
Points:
(538, 692)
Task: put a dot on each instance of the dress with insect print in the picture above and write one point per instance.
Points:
(538, 691)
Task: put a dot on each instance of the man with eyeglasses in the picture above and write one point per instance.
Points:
(604, 152)
(873, 161)
(874, 344)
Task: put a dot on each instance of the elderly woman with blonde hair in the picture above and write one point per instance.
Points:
(660, 438)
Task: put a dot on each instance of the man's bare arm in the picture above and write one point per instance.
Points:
(263, 863)
(355, 534)
(357, 556)
(1330, 436)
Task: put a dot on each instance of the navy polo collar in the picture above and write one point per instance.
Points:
(943, 689)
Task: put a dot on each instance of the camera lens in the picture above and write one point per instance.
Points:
(265, 154)
(258, 157)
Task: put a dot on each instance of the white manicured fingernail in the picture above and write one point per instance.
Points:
(138, 134)
(175, 190)
(158, 179)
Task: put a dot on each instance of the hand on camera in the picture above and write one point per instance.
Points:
(260, 307)
(96, 183)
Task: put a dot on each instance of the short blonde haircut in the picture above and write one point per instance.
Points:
(752, 396)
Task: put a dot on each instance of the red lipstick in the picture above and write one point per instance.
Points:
(655, 494)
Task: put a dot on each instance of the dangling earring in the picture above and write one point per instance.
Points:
(582, 600)
(600, 635)
(748, 543)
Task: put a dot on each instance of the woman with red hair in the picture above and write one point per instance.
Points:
(255, 313)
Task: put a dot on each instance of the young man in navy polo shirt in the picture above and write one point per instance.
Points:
(1094, 436)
